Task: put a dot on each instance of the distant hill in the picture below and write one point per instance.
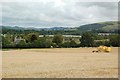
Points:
(111, 27)
(32, 28)
(103, 26)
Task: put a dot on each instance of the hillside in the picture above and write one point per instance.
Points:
(103, 26)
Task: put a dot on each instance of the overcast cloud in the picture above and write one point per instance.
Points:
(52, 13)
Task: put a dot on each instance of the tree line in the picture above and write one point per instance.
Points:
(32, 40)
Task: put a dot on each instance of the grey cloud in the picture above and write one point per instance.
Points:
(108, 5)
(64, 13)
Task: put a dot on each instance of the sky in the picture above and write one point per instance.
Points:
(57, 13)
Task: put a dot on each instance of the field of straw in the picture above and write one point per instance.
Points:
(59, 63)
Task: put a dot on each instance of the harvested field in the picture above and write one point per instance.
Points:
(59, 63)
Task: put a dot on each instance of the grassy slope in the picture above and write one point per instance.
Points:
(106, 26)
(110, 25)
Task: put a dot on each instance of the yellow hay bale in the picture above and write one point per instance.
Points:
(108, 49)
(104, 49)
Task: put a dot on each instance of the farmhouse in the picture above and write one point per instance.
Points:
(104, 34)
(18, 39)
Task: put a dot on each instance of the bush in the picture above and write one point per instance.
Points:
(87, 40)
(58, 39)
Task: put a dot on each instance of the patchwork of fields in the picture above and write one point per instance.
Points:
(59, 63)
